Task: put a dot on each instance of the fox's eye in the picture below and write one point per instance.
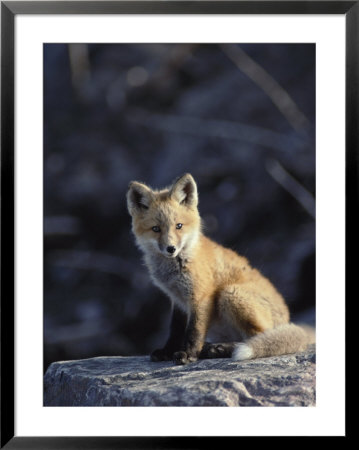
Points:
(156, 229)
(179, 226)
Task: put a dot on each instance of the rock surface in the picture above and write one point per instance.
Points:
(287, 380)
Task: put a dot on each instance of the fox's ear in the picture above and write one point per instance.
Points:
(184, 191)
(139, 197)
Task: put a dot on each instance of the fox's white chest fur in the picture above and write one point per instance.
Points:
(171, 276)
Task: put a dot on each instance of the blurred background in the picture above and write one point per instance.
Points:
(239, 118)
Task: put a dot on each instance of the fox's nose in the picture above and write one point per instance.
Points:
(171, 249)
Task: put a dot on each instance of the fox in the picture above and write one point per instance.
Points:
(214, 291)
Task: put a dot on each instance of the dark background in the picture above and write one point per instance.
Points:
(239, 118)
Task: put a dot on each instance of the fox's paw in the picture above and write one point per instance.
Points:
(161, 354)
(184, 358)
(223, 350)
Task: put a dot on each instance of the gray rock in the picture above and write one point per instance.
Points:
(287, 380)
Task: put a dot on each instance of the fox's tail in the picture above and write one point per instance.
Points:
(288, 338)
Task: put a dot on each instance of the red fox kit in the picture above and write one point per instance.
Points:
(210, 287)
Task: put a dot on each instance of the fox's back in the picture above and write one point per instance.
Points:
(224, 268)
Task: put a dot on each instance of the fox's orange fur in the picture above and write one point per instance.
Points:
(211, 287)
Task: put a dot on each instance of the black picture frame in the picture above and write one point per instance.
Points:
(9, 10)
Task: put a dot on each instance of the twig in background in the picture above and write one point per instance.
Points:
(93, 261)
(291, 185)
(173, 61)
(223, 129)
(165, 64)
(269, 85)
(80, 66)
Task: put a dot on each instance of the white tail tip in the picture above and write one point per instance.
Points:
(241, 352)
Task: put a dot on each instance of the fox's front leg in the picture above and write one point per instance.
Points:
(195, 335)
(176, 337)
